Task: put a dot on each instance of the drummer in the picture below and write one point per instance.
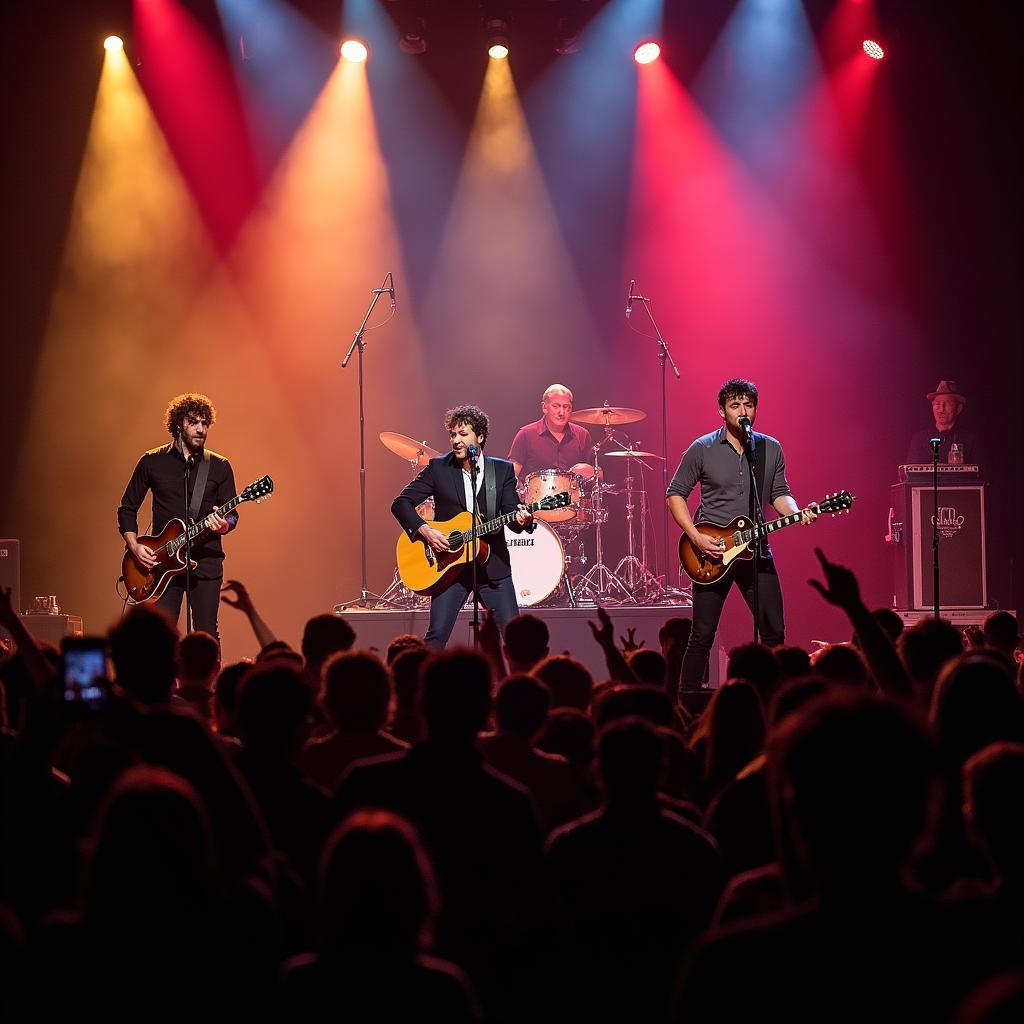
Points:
(552, 442)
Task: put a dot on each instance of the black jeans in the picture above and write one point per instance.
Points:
(499, 597)
(205, 602)
(708, 602)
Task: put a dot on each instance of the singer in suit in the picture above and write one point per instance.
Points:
(447, 479)
(718, 463)
(168, 471)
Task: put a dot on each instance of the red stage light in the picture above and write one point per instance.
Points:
(647, 52)
(872, 49)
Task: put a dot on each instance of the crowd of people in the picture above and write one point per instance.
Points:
(493, 834)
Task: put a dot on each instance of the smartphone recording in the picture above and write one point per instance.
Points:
(85, 672)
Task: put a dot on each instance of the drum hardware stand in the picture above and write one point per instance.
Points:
(631, 569)
(599, 579)
(366, 598)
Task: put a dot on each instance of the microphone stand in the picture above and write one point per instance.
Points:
(663, 355)
(935, 442)
(366, 599)
(188, 551)
(759, 533)
(474, 546)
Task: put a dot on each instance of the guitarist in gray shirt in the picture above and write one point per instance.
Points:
(719, 464)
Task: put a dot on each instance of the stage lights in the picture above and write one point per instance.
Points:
(354, 50)
(873, 50)
(112, 43)
(647, 52)
(497, 38)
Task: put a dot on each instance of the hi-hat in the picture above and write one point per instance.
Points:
(408, 448)
(630, 453)
(608, 415)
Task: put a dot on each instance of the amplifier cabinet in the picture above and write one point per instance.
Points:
(10, 569)
(963, 578)
(52, 628)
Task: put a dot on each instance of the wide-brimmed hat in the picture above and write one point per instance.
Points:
(947, 387)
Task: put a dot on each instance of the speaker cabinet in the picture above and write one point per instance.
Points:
(52, 628)
(10, 570)
(963, 579)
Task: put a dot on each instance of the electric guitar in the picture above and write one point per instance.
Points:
(426, 571)
(169, 545)
(739, 537)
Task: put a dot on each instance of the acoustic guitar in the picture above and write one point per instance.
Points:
(169, 545)
(739, 537)
(426, 571)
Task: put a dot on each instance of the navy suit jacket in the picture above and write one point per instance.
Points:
(442, 479)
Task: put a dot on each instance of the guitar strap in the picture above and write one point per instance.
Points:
(199, 487)
(490, 488)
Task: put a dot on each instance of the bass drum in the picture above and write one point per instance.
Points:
(538, 563)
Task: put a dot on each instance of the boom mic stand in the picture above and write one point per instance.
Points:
(935, 442)
(366, 599)
(759, 535)
(664, 355)
(474, 547)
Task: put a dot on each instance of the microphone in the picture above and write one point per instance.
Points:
(472, 451)
(388, 289)
(629, 298)
(745, 424)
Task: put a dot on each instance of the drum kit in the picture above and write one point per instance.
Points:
(549, 566)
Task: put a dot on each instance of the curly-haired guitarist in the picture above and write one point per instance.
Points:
(447, 479)
(171, 472)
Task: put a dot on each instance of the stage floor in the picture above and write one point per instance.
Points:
(568, 628)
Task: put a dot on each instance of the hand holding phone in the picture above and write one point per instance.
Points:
(84, 672)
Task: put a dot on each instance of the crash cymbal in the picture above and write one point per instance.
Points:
(608, 415)
(407, 448)
(631, 454)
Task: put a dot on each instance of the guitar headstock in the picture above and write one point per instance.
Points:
(836, 504)
(550, 501)
(258, 490)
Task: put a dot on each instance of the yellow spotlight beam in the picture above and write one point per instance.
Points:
(503, 258)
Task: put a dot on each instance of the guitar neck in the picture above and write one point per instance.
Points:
(496, 524)
(771, 526)
(193, 531)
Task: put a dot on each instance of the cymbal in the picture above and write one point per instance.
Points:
(608, 415)
(631, 454)
(407, 448)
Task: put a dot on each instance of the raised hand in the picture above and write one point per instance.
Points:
(234, 595)
(842, 589)
(604, 633)
(629, 640)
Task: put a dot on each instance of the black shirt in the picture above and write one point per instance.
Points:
(162, 471)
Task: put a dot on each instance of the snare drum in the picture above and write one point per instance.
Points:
(545, 482)
(538, 563)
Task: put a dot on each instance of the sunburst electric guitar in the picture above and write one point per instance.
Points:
(145, 585)
(427, 571)
(739, 537)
